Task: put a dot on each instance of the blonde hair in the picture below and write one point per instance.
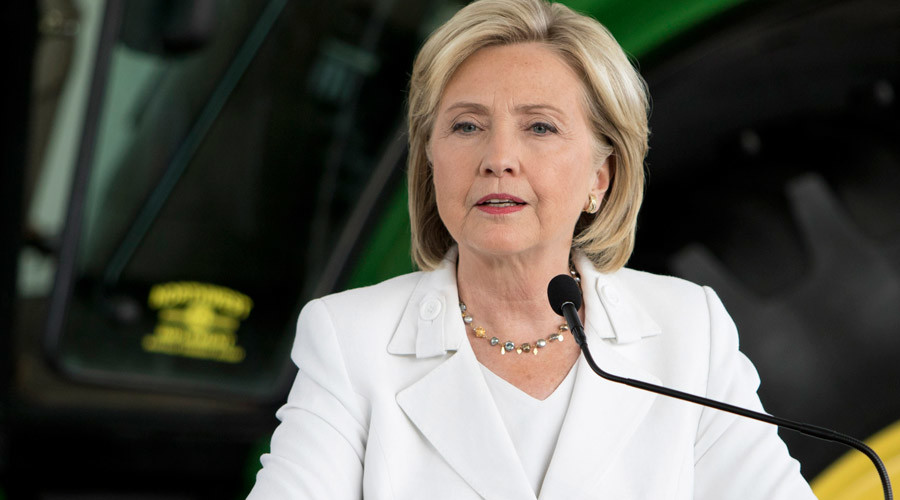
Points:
(616, 103)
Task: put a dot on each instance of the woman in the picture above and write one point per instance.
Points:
(527, 132)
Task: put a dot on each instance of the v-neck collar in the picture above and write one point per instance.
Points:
(507, 387)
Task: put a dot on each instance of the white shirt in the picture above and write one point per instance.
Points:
(532, 424)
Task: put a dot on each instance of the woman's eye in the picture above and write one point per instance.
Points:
(465, 127)
(542, 128)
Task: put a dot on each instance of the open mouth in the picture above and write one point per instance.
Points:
(499, 203)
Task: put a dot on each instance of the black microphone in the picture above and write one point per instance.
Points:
(565, 299)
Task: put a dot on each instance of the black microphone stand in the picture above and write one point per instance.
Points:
(571, 314)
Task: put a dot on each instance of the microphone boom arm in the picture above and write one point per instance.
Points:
(570, 312)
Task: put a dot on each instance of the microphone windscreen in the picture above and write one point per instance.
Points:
(562, 289)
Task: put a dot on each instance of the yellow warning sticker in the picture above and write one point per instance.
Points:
(197, 320)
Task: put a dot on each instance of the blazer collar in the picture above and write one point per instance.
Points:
(625, 320)
(432, 308)
(430, 324)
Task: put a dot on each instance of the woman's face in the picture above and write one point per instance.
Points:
(513, 152)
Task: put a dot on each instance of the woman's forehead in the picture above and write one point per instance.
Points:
(521, 77)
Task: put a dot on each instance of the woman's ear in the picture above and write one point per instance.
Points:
(603, 176)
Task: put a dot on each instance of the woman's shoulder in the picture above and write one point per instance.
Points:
(638, 286)
(385, 296)
(364, 317)
(660, 286)
(668, 298)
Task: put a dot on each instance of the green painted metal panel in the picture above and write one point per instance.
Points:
(387, 252)
(640, 27)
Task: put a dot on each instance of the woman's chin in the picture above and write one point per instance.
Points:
(510, 240)
(501, 246)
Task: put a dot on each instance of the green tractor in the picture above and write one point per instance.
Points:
(184, 176)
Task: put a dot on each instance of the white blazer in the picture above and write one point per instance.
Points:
(389, 402)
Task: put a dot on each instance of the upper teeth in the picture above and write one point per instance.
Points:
(495, 200)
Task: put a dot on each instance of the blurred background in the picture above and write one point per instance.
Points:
(180, 176)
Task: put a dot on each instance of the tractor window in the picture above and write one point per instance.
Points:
(240, 151)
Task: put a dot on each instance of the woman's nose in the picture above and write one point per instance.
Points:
(502, 155)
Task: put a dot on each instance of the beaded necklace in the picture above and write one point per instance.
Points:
(509, 345)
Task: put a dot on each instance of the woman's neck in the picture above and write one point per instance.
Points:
(508, 294)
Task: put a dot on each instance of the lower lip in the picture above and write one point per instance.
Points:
(500, 210)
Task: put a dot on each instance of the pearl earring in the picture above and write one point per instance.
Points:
(593, 205)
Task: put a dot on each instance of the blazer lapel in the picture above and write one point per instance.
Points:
(453, 408)
(451, 405)
(601, 420)
(602, 415)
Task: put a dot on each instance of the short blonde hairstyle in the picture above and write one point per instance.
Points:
(617, 106)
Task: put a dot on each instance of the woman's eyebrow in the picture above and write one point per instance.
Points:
(531, 108)
(521, 108)
(469, 106)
